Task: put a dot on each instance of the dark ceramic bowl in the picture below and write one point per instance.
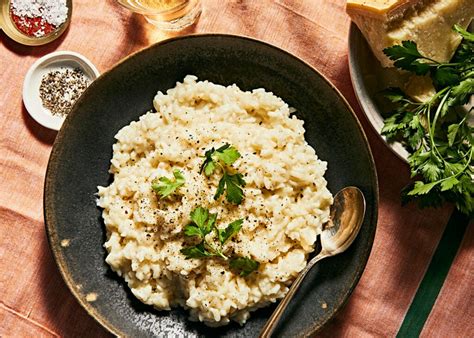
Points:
(81, 155)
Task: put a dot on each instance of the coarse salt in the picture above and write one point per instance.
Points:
(52, 11)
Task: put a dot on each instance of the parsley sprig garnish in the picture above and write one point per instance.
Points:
(202, 224)
(436, 132)
(165, 187)
(222, 158)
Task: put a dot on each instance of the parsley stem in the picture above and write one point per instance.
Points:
(429, 59)
(215, 251)
(465, 117)
(438, 94)
(470, 74)
(459, 172)
(451, 64)
(220, 165)
(412, 103)
(431, 129)
(220, 254)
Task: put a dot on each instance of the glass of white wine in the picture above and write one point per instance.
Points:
(170, 15)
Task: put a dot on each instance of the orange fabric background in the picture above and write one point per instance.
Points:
(34, 301)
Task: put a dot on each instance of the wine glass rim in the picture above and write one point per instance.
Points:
(151, 11)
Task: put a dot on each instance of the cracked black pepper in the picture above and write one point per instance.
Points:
(60, 89)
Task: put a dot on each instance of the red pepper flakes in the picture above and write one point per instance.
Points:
(36, 27)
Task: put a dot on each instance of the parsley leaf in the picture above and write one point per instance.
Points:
(406, 56)
(244, 265)
(199, 216)
(445, 76)
(449, 183)
(193, 230)
(422, 188)
(209, 168)
(196, 251)
(461, 93)
(230, 230)
(165, 187)
(452, 132)
(209, 165)
(202, 223)
(430, 169)
(233, 185)
(227, 154)
(395, 95)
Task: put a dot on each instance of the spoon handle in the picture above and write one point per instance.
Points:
(276, 315)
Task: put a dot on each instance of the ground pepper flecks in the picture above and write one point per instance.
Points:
(60, 89)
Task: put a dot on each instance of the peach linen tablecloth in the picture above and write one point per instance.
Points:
(34, 301)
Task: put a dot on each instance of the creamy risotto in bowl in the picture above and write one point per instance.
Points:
(216, 201)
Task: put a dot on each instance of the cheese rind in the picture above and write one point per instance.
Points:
(385, 23)
(382, 9)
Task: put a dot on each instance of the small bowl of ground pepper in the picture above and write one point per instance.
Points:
(35, 22)
(54, 83)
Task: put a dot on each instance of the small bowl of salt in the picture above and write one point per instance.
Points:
(54, 83)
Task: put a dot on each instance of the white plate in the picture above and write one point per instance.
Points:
(32, 82)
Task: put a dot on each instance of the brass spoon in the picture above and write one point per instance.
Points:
(347, 214)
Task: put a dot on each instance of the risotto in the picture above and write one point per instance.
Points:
(285, 200)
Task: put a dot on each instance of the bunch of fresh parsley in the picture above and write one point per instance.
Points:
(223, 158)
(436, 132)
(203, 223)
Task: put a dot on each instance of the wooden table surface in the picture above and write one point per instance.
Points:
(34, 301)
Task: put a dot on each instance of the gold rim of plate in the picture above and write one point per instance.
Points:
(9, 27)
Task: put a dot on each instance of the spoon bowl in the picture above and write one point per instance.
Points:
(346, 217)
(347, 214)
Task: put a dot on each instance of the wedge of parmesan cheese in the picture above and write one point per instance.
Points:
(427, 22)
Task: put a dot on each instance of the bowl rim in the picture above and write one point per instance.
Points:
(54, 241)
(363, 98)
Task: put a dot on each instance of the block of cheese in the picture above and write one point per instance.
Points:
(427, 22)
(419, 88)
